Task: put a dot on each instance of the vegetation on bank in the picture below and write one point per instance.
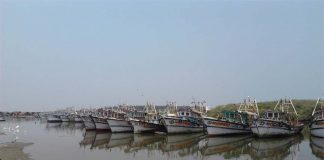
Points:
(303, 107)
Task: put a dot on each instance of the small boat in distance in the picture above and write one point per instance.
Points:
(282, 120)
(316, 126)
(233, 122)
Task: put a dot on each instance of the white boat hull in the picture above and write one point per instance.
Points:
(88, 123)
(101, 123)
(226, 131)
(268, 128)
(102, 126)
(185, 127)
(78, 120)
(53, 120)
(2, 119)
(117, 125)
(218, 127)
(143, 127)
(317, 128)
(65, 119)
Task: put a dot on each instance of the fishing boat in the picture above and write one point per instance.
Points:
(282, 120)
(185, 119)
(232, 122)
(100, 121)
(146, 123)
(77, 118)
(316, 126)
(53, 118)
(65, 118)
(118, 119)
(88, 122)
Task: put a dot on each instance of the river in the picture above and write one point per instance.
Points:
(52, 141)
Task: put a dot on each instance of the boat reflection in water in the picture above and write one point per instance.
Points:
(317, 146)
(179, 145)
(101, 140)
(121, 140)
(230, 146)
(199, 146)
(168, 145)
(145, 142)
(50, 126)
(88, 138)
(275, 148)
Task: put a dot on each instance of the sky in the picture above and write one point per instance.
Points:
(89, 53)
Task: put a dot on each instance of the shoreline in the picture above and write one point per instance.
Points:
(14, 151)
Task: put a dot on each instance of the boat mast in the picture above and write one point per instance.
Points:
(249, 106)
(284, 105)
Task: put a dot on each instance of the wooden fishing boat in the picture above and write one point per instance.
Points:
(186, 119)
(64, 118)
(88, 122)
(100, 123)
(147, 122)
(118, 119)
(283, 120)
(232, 122)
(316, 126)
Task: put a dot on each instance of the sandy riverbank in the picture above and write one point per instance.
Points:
(14, 151)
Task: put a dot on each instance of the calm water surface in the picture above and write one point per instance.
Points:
(70, 141)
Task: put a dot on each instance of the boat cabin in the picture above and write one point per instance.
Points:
(273, 115)
(140, 115)
(184, 113)
(235, 117)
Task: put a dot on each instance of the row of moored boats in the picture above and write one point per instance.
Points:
(246, 119)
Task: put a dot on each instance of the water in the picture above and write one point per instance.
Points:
(70, 141)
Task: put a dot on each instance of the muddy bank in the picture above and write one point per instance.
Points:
(14, 151)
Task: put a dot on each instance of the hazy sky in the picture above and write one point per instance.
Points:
(88, 53)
